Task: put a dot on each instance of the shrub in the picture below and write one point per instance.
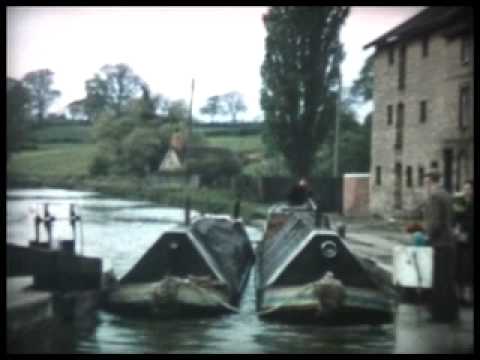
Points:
(215, 167)
(99, 166)
(141, 150)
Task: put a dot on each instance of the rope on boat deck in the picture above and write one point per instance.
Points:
(172, 285)
(214, 296)
(328, 290)
(301, 291)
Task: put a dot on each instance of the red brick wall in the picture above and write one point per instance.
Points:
(356, 195)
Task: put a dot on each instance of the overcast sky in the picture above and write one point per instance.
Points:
(221, 47)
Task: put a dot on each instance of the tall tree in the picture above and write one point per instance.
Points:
(362, 89)
(148, 106)
(39, 84)
(234, 104)
(299, 73)
(18, 102)
(213, 107)
(112, 90)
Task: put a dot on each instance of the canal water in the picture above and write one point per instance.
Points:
(119, 232)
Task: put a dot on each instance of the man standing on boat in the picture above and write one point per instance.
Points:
(301, 194)
(438, 224)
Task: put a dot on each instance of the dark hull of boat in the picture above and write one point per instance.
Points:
(202, 268)
(310, 274)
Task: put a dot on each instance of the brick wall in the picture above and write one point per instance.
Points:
(356, 194)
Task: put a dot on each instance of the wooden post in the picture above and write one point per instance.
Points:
(318, 217)
(236, 209)
(187, 211)
(48, 225)
(38, 220)
(326, 222)
(73, 220)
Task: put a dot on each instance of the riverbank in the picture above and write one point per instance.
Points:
(203, 199)
(66, 165)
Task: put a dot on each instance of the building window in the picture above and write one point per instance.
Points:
(423, 111)
(409, 177)
(389, 114)
(397, 190)
(402, 67)
(434, 164)
(425, 47)
(464, 107)
(421, 174)
(466, 50)
(378, 175)
(391, 57)
(461, 165)
(399, 127)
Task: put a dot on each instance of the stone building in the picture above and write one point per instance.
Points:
(423, 107)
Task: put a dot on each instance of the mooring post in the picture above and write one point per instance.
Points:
(73, 220)
(187, 211)
(326, 221)
(342, 230)
(318, 217)
(236, 209)
(37, 220)
(48, 225)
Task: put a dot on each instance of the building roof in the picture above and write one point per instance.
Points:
(428, 20)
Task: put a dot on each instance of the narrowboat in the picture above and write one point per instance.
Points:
(199, 268)
(306, 272)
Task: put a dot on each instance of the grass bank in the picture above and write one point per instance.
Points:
(66, 166)
(238, 144)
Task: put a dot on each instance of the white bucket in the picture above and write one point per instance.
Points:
(413, 266)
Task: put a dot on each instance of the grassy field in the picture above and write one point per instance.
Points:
(51, 163)
(65, 152)
(242, 144)
(63, 134)
(79, 134)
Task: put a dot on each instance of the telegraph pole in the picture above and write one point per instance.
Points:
(189, 134)
(337, 123)
(190, 121)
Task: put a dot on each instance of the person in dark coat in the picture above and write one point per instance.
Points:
(463, 210)
(438, 226)
(300, 193)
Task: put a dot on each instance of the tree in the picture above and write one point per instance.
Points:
(299, 73)
(112, 90)
(213, 107)
(18, 102)
(354, 146)
(142, 150)
(362, 89)
(42, 96)
(131, 144)
(148, 106)
(76, 110)
(178, 111)
(234, 104)
(96, 101)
